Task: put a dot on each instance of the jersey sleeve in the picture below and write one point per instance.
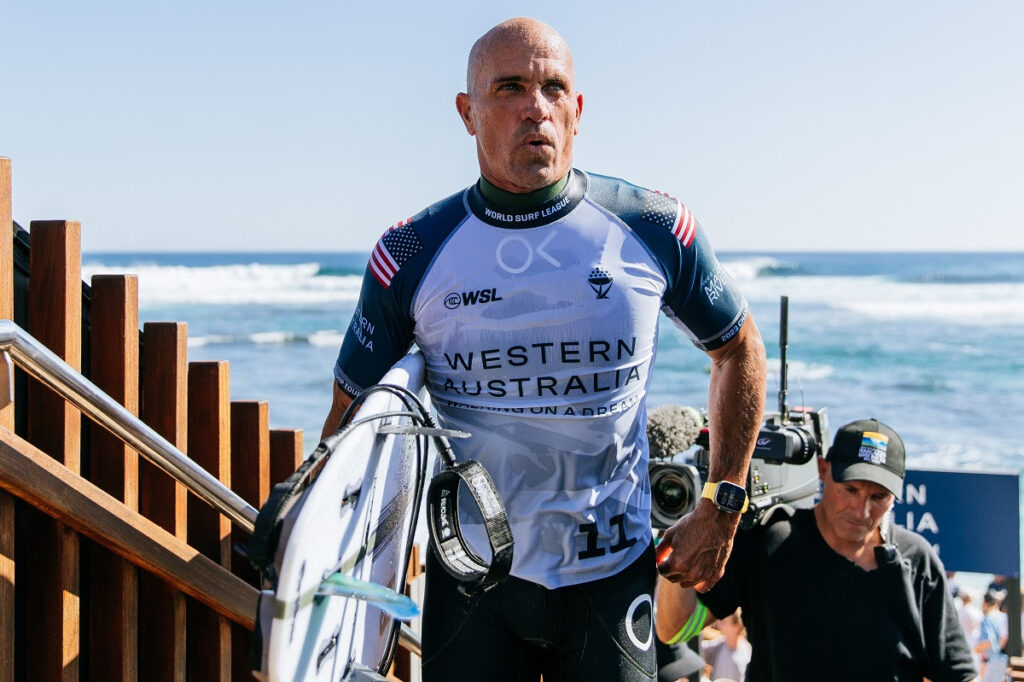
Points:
(703, 300)
(700, 297)
(381, 330)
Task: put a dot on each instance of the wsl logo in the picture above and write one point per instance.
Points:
(600, 281)
(454, 300)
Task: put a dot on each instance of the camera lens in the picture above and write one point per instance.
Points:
(672, 496)
(675, 489)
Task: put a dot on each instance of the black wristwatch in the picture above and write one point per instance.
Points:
(727, 496)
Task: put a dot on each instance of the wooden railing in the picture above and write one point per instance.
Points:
(110, 569)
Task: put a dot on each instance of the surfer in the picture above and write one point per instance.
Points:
(836, 592)
(534, 296)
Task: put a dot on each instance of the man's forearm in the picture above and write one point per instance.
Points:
(675, 610)
(696, 548)
(339, 403)
(736, 404)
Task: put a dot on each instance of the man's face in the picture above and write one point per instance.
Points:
(852, 509)
(524, 112)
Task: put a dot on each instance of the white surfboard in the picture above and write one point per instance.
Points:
(355, 522)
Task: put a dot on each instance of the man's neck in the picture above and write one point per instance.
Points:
(860, 553)
(499, 196)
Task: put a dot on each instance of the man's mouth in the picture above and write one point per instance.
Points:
(536, 141)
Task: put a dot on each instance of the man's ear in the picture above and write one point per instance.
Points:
(464, 105)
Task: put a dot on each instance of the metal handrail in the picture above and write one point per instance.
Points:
(44, 365)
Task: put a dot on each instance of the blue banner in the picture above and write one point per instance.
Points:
(972, 518)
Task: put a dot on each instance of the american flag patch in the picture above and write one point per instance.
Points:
(393, 250)
(667, 211)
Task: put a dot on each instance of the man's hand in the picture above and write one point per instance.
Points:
(697, 547)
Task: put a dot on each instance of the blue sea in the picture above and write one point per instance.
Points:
(930, 343)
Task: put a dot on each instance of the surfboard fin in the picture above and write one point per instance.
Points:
(341, 585)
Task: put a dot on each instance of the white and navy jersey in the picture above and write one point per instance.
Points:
(539, 327)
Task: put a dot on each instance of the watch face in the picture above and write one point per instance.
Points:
(730, 497)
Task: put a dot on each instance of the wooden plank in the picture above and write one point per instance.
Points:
(29, 474)
(285, 453)
(114, 368)
(163, 405)
(209, 444)
(250, 479)
(7, 534)
(55, 318)
(250, 450)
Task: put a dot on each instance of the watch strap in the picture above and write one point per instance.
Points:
(710, 491)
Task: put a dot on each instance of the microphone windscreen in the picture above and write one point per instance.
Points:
(671, 429)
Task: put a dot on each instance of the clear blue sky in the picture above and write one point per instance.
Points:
(313, 126)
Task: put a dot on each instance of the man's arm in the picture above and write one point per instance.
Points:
(948, 655)
(674, 609)
(700, 542)
(339, 404)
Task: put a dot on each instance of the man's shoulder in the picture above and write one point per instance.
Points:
(780, 526)
(913, 546)
(403, 251)
(620, 196)
(442, 214)
(662, 221)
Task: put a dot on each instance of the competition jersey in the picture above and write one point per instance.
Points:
(538, 326)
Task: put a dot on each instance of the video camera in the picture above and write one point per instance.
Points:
(782, 470)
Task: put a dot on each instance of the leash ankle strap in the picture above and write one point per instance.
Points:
(446, 538)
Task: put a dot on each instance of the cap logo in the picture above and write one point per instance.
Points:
(873, 447)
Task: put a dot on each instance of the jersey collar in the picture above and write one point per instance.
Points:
(541, 213)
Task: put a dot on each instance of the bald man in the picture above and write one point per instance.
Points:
(534, 295)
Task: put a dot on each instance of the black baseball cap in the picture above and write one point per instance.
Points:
(868, 450)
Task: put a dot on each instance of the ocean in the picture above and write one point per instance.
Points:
(930, 343)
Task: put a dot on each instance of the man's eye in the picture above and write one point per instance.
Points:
(509, 86)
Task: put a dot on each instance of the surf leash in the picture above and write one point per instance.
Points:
(474, 573)
(458, 560)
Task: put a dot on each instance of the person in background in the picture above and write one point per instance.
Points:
(829, 593)
(989, 643)
(727, 655)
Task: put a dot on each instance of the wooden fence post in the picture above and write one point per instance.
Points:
(164, 389)
(209, 443)
(285, 453)
(250, 479)
(114, 467)
(6, 421)
(52, 648)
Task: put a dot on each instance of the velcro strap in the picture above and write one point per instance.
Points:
(445, 535)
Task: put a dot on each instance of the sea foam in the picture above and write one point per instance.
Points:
(254, 283)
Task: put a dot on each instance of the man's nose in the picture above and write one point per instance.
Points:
(536, 106)
(864, 507)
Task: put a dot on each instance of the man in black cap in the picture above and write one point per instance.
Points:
(835, 592)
